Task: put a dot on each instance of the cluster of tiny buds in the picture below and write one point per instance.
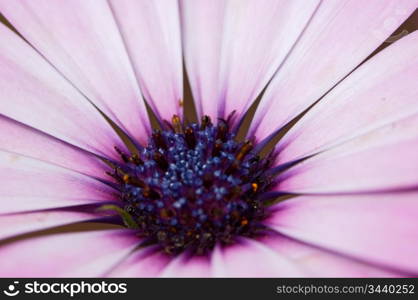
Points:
(193, 186)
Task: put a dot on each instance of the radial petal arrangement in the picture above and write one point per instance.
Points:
(104, 174)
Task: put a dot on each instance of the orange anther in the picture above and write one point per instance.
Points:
(254, 186)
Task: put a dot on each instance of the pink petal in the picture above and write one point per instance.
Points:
(232, 48)
(379, 229)
(187, 267)
(141, 263)
(318, 262)
(33, 93)
(380, 92)
(19, 138)
(81, 39)
(252, 259)
(151, 31)
(29, 184)
(15, 224)
(341, 35)
(82, 254)
(202, 24)
(383, 159)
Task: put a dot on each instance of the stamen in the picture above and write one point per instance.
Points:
(222, 130)
(124, 157)
(205, 122)
(177, 124)
(190, 138)
(159, 140)
(194, 186)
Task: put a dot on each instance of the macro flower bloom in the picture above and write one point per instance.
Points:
(336, 195)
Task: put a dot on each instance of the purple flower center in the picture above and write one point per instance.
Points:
(194, 186)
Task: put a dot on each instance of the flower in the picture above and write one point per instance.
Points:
(190, 199)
